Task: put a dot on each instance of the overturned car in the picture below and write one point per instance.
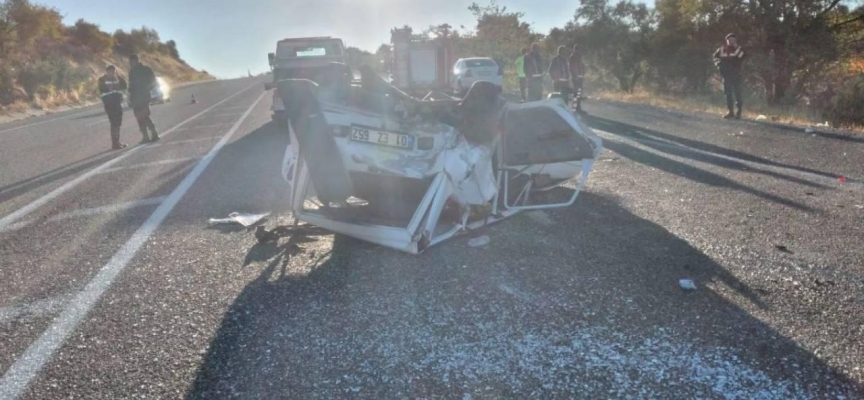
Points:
(369, 161)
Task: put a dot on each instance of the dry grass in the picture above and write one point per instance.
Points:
(716, 104)
(173, 71)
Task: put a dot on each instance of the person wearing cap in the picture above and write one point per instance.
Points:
(111, 87)
(559, 71)
(520, 72)
(729, 58)
(534, 72)
(577, 76)
(141, 82)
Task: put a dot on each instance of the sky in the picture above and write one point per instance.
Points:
(227, 38)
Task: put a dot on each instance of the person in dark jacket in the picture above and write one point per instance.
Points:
(577, 76)
(559, 71)
(141, 82)
(534, 73)
(729, 58)
(111, 88)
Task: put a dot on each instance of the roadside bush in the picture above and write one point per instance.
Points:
(848, 104)
(7, 79)
(46, 77)
(90, 36)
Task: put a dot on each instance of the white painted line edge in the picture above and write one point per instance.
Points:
(50, 120)
(29, 208)
(19, 375)
(150, 164)
(101, 121)
(88, 211)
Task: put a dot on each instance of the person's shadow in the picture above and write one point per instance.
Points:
(586, 305)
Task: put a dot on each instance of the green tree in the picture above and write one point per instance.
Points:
(90, 36)
(617, 38)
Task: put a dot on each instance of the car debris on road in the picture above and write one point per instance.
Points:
(240, 218)
(687, 284)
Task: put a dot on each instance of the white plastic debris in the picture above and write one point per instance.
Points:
(761, 117)
(479, 241)
(242, 219)
(687, 284)
(809, 130)
(859, 206)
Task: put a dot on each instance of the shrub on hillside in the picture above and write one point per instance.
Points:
(90, 36)
(7, 79)
(848, 107)
(50, 76)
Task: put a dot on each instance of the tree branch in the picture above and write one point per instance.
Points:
(831, 6)
(848, 21)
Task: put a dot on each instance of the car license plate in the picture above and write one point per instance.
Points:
(360, 134)
(485, 73)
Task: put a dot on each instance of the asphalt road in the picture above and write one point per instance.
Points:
(114, 285)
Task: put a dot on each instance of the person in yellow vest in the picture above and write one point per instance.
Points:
(520, 72)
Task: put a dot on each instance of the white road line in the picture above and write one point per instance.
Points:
(101, 121)
(84, 212)
(35, 308)
(47, 121)
(150, 164)
(184, 141)
(29, 208)
(189, 128)
(228, 115)
(19, 375)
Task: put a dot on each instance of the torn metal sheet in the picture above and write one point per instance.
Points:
(240, 218)
(424, 171)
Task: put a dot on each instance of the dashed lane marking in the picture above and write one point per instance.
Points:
(150, 164)
(86, 212)
(29, 208)
(19, 375)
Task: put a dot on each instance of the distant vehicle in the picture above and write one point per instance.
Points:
(420, 64)
(470, 70)
(302, 58)
(161, 93)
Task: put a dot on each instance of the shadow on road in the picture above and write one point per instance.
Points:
(587, 307)
(18, 188)
(623, 129)
(685, 170)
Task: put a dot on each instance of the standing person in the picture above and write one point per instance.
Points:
(729, 58)
(141, 82)
(520, 72)
(111, 87)
(577, 76)
(534, 72)
(559, 71)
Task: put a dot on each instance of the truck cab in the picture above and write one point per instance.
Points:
(302, 58)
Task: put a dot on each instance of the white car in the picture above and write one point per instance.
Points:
(470, 70)
(161, 93)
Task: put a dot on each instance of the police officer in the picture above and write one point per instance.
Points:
(520, 72)
(141, 82)
(559, 71)
(111, 87)
(577, 76)
(534, 73)
(729, 58)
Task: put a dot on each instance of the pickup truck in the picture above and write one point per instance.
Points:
(301, 58)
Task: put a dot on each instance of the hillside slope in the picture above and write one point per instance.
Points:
(46, 65)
